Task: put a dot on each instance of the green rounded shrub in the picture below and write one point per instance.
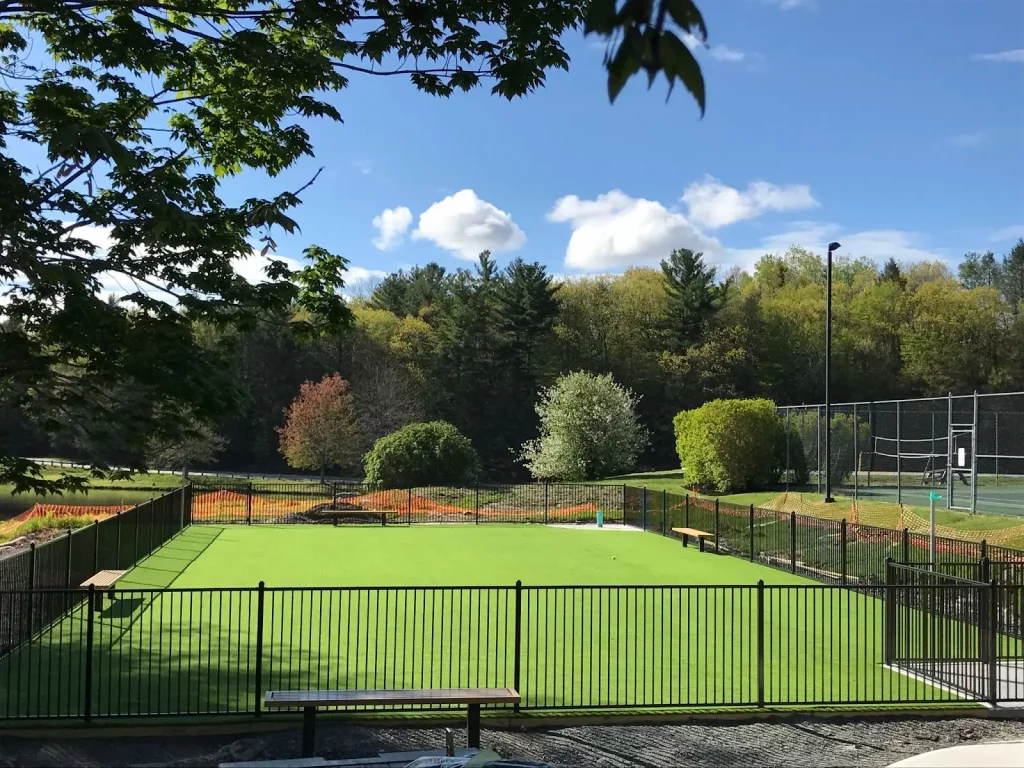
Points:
(427, 453)
(730, 446)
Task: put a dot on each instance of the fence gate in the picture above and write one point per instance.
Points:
(961, 462)
(959, 633)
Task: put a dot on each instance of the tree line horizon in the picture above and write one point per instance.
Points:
(477, 347)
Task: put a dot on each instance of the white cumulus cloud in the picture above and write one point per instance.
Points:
(725, 53)
(466, 225)
(716, 52)
(615, 231)
(1007, 233)
(788, 5)
(713, 204)
(1015, 56)
(391, 225)
(977, 138)
(878, 245)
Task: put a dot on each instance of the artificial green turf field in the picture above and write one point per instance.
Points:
(190, 651)
(436, 555)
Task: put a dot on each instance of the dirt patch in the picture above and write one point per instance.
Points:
(25, 540)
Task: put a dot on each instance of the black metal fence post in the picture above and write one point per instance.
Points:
(906, 545)
(67, 565)
(95, 546)
(751, 533)
(117, 551)
(186, 506)
(664, 512)
(31, 585)
(993, 639)
(760, 642)
(985, 568)
(890, 613)
(718, 540)
(842, 552)
(90, 642)
(248, 504)
(518, 639)
(546, 502)
(476, 506)
(623, 502)
(135, 517)
(792, 542)
(644, 507)
(983, 549)
(260, 599)
(408, 505)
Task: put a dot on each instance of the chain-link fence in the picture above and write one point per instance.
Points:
(967, 448)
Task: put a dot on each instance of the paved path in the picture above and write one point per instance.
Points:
(803, 743)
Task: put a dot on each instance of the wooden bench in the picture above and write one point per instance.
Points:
(104, 580)
(310, 700)
(697, 534)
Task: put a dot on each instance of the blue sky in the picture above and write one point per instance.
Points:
(894, 126)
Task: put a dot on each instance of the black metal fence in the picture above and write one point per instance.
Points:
(971, 447)
(68, 652)
(831, 551)
(216, 651)
(115, 543)
(961, 633)
(255, 503)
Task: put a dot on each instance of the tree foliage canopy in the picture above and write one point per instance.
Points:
(430, 453)
(589, 430)
(199, 444)
(119, 122)
(321, 429)
(730, 445)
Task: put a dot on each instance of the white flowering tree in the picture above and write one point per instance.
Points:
(589, 430)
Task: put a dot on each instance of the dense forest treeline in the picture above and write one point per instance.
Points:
(474, 347)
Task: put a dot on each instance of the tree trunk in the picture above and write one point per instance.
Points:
(184, 473)
(322, 469)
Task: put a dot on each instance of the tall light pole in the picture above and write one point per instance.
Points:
(828, 374)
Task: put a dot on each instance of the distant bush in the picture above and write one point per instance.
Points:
(730, 445)
(427, 453)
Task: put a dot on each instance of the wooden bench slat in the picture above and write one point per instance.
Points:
(693, 532)
(407, 696)
(103, 579)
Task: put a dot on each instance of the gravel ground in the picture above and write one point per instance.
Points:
(813, 743)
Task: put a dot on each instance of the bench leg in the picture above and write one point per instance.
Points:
(474, 725)
(701, 539)
(308, 730)
(686, 540)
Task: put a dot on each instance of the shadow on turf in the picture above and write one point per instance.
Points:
(121, 608)
(167, 563)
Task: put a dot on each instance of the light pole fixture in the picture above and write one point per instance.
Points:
(828, 374)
